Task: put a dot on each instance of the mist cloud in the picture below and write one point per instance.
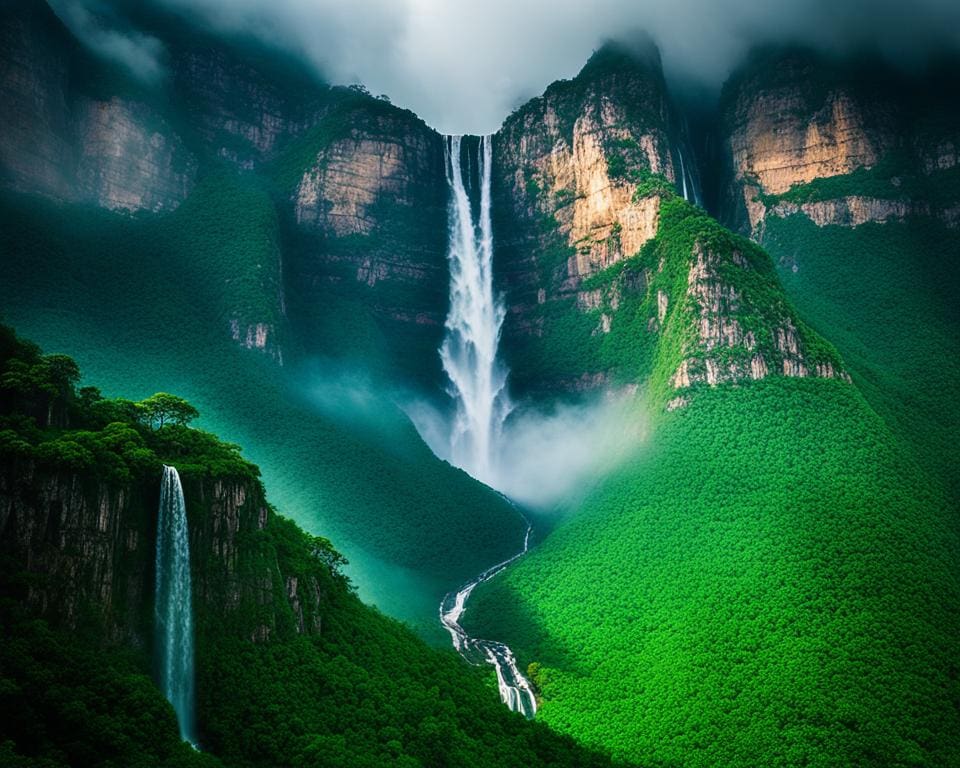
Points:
(93, 24)
(464, 65)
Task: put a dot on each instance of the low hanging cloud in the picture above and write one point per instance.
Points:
(92, 22)
(464, 65)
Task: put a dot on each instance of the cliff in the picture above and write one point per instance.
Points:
(842, 143)
(83, 549)
(578, 177)
(367, 207)
(62, 138)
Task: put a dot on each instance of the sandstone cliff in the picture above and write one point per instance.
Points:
(87, 548)
(843, 143)
(570, 192)
(369, 209)
(64, 140)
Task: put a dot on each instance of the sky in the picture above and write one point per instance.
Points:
(463, 65)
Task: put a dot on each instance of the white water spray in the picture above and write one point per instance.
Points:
(174, 610)
(469, 350)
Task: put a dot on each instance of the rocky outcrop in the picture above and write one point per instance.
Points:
(852, 211)
(60, 141)
(789, 120)
(737, 336)
(85, 549)
(243, 110)
(370, 212)
(793, 121)
(352, 179)
(567, 167)
(126, 164)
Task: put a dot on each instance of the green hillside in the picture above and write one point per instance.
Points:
(772, 581)
(887, 293)
(359, 689)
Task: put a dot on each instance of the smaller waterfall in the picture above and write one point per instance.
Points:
(174, 610)
(683, 176)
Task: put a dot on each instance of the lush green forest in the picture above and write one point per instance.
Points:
(363, 691)
(775, 573)
(796, 601)
(887, 293)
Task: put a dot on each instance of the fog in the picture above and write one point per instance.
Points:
(553, 454)
(463, 66)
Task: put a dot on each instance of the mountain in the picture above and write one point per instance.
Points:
(765, 572)
(250, 296)
(772, 577)
(856, 200)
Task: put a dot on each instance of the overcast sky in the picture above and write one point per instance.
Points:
(463, 65)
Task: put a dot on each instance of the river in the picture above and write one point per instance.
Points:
(515, 690)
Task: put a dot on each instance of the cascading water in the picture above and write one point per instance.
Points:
(469, 350)
(683, 176)
(174, 610)
(477, 381)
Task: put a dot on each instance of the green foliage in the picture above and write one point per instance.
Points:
(66, 703)
(887, 292)
(163, 408)
(145, 304)
(335, 682)
(894, 177)
(114, 439)
(771, 581)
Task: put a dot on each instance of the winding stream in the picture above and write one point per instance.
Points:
(515, 690)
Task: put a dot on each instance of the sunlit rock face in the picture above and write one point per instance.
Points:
(565, 179)
(392, 165)
(787, 122)
(720, 349)
(843, 144)
(125, 164)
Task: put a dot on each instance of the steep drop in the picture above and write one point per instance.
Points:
(469, 350)
(174, 609)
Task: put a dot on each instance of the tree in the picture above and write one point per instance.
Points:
(162, 408)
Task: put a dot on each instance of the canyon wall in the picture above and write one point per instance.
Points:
(568, 198)
(842, 143)
(83, 550)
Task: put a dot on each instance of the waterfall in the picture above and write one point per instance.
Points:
(174, 611)
(683, 175)
(469, 350)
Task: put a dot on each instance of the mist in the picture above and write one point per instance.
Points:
(553, 454)
(464, 66)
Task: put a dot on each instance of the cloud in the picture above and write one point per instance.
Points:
(464, 65)
(93, 24)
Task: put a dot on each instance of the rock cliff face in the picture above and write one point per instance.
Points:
(89, 548)
(370, 214)
(842, 143)
(62, 142)
(788, 121)
(724, 347)
(567, 168)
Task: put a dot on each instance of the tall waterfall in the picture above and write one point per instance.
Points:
(174, 610)
(469, 350)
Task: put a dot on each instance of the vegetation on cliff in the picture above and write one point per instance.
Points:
(332, 682)
(772, 581)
